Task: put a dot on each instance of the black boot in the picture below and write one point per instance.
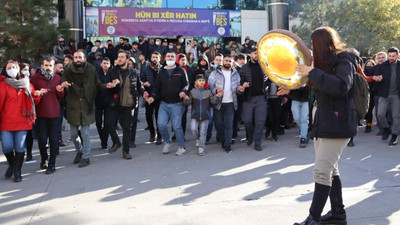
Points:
(337, 215)
(321, 194)
(10, 160)
(393, 140)
(19, 159)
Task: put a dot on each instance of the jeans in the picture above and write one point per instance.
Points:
(224, 123)
(125, 116)
(11, 140)
(300, 112)
(394, 102)
(202, 126)
(48, 129)
(85, 147)
(101, 115)
(253, 116)
(174, 113)
(210, 123)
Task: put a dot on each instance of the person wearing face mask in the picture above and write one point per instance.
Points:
(48, 112)
(170, 87)
(82, 83)
(25, 71)
(17, 115)
(60, 48)
(148, 77)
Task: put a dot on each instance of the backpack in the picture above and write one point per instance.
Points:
(360, 95)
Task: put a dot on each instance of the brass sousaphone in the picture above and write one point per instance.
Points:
(279, 52)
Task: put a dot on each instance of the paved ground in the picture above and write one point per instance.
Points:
(270, 187)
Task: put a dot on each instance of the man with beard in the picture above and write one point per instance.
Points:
(59, 70)
(124, 100)
(254, 99)
(226, 79)
(148, 78)
(60, 48)
(387, 88)
(48, 112)
(82, 82)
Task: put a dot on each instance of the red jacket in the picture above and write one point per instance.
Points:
(48, 107)
(11, 107)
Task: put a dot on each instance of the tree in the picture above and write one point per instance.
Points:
(28, 29)
(367, 25)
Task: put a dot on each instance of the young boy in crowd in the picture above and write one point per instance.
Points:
(201, 99)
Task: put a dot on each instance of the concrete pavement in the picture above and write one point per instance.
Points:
(270, 187)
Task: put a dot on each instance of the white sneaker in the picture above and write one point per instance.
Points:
(201, 151)
(197, 142)
(165, 149)
(181, 151)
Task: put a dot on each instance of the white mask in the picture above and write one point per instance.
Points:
(157, 43)
(26, 73)
(12, 73)
(170, 62)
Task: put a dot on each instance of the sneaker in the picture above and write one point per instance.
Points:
(181, 151)
(208, 140)
(257, 147)
(275, 137)
(132, 144)
(386, 133)
(367, 129)
(393, 140)
(201, 151)
(152, 138)
(84, 162)
(165, 149)
(50, 169)
(249, 142)
(303, 143)
(78, 157)
(43, 165)
(197, 142)
(227, 149)
(28, 158)
(159, 141)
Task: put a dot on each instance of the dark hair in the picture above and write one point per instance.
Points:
(170, 51)
(4, 71)
(326, 43)
(69, 56)
(393, 49)
(106, 59)
(227, 55)
(48, 59)
(97, 41)
(23, 65)
(240, 56)
(135, 43)
(126, 39)
(127, 54)
(58, 62)
(219, 54)
(253, 49)
(181, 55)
(155, 53)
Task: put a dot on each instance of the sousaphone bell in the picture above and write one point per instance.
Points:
(279, 52)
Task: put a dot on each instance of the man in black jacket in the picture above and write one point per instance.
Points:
(254, 108)
(123, 101)
(170, 86)
(388, 90)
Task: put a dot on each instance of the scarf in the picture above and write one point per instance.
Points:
(28, 106)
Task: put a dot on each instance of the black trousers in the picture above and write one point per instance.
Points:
(150, 110)
(274, 115)
(101, 114)
(134, 124)
(48, 129)
(125, 116)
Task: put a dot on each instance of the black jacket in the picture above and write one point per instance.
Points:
(382, 88)
(168, 88)
(335, 116)
(149, 75)
(301, 94)
(136, 86)
(246, 76)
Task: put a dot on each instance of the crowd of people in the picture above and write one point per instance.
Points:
(224, 86)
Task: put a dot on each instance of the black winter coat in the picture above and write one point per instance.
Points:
(168, 88)
(246, 76)
(382, 88)
(335, 116)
